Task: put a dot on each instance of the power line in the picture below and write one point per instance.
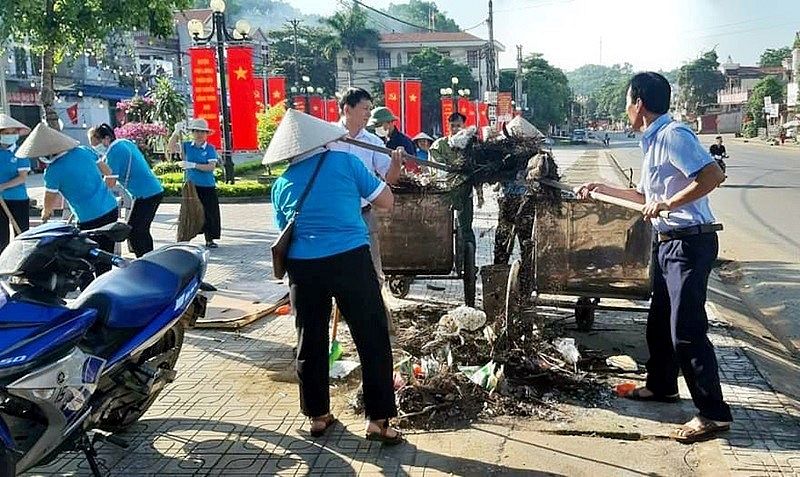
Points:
(357, 2)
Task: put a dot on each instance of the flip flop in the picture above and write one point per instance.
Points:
(385, 439)
(707, 430)
(636, 395)
(328, 420)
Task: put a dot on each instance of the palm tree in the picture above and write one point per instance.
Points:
(351, 28)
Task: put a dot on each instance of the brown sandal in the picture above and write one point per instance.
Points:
(637, 395)
(326, 421)
(383, 437)
(708, 430)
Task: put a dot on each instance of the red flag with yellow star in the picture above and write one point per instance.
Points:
(242, 102)
(332, 113)
(317, 105)
(392, 98)
(413, 110)
(276, 88)
(258, 92)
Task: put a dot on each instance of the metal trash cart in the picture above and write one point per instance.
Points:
(420, 240)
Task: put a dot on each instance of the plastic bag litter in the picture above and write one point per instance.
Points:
(487, 376)
(623, 362)
(462, 318)
(342, 368)
(568, 350)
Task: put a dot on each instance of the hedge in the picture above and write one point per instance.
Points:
(171, 176)
(242, 188)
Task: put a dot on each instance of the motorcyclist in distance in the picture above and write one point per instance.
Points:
(717, 151)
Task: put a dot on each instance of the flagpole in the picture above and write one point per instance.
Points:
(402, 103)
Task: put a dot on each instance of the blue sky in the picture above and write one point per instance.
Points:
(649, 34)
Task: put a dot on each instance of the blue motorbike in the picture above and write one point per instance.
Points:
(95, 363)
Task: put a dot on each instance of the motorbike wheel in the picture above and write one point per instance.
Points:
(7, 464)
(126, 415)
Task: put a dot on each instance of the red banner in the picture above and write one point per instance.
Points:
(505, 110)
(204, 89)
(242, 103)
(392, 97)
(72, 114)
(483, 113)
(332, 110)
(447, 110)
(276, 86)
(463, 108)
(317, 106)
(258, 92)
(413, 110)
(472, 114)
(299, 103)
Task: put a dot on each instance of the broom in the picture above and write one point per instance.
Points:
(11, 218)
(336, 349)
(191, 217)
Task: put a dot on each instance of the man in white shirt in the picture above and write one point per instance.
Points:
(356, 107)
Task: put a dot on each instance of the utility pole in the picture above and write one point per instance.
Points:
(518, 78)
(491, 59)
(3, 97)
(295, 23)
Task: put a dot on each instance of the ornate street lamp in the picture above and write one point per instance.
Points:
(219, 36)
(454, 82)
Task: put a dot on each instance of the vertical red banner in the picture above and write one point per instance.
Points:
(204, 90)
(317, 105)
(242, 103)
(392, 97)
(483, 114)
(299, 103)
(472, 114)
(276, 88)
(332, 106)
(447, 110)
(258, 92)
(413, 113)
(463, 108)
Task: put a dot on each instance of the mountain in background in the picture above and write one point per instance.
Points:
(589, 79)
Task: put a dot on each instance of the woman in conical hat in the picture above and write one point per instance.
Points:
(329, 256)
(72, 172)
(13, 174)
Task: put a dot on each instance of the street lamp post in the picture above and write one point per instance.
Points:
(219, 34)
(454, 82)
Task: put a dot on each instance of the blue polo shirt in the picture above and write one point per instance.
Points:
(76, 176)
(330, 221)
(130, 167)
(200, 155)
(10, 167)
(672, 158)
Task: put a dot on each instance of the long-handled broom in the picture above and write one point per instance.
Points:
(191, 216)
(336, 349)
(11, 219)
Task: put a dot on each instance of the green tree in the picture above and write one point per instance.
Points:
(268, 122)
(611, 99)
(419, 13)
(549, 95)
(435, 71)
(768, 86)
(588, 79)
(774, 57)
(699, 82)
(55, 28)
(316, 55)
(507, 78)
(350, 26)
(169, 106)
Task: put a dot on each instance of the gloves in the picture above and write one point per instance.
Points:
(187, 165)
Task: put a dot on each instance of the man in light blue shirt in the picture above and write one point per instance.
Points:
(677, 176)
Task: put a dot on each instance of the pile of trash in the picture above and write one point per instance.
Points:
(455, 366)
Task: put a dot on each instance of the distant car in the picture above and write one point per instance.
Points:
(578, 136)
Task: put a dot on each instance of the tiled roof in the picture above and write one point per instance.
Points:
(428, 37)
(202, 14)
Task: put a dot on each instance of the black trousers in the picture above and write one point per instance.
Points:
(20, 211)
(104, 243)
(140, 241)
(677, 324)
(208, 197)
(350, 278)
(517, 214)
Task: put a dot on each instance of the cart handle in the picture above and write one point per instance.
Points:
(386, 150)
(628, 204)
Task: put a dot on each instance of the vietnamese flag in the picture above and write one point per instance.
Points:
(463, 108)
(332, 110)
(258, 92)
(447, 110)
(242, 103)
(483, 113)
(299, 103)
(472, 114)
(392, 98)
(317, 106)
(413, 110)
(276, 88)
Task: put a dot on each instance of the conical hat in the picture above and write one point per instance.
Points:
(299, 133)
(7, 122)
(421, 135)
(45, 141)
(521, 127)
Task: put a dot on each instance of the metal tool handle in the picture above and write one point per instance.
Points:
(628, 204)
(387, 151)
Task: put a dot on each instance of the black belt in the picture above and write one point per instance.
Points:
(688, 231)
(366, 208)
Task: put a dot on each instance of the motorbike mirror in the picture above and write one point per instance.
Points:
(117, 231)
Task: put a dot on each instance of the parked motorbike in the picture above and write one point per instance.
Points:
(93, 364)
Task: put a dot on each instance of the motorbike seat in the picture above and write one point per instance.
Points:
(130, 297)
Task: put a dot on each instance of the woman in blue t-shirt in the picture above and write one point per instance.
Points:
(124, 164)
(13, 174)
(73, 172)
(328, 257)
(199, 162)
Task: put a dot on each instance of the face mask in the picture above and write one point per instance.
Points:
(100, 149)
(381, 131)
(9, 139)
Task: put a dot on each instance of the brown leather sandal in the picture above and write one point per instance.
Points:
(708, 430)
(321, 424)
(383, 437)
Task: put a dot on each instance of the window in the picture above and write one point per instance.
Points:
(472, 58)
(399, 59)
(360, 60)
(384, 60)
(445, 53)
(21, 62)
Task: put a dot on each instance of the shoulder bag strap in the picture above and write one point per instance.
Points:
(310, 183)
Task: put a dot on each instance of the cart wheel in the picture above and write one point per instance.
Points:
(399, 286)
(584, 312)
(469, 274)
